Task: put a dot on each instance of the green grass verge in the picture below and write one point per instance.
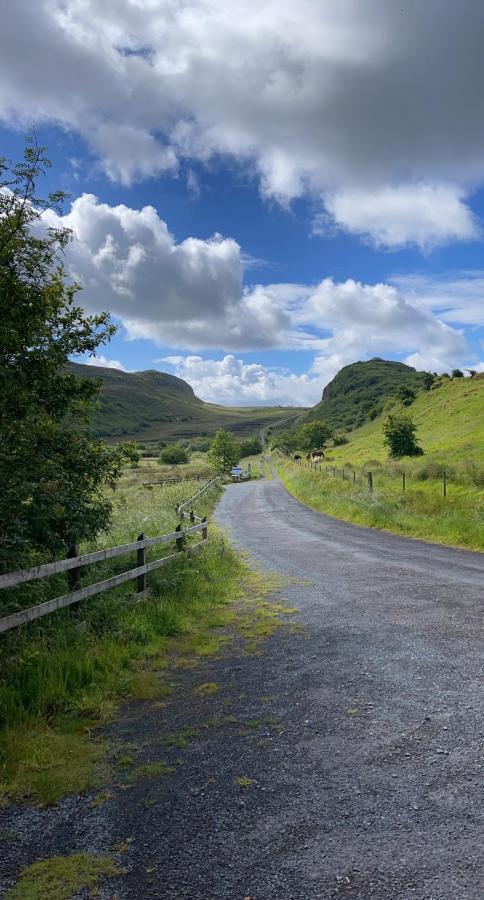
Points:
(68, 672)
(420, 512)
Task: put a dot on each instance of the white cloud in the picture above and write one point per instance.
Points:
(232, 382)
(424, 214)
(104, 363)
(187, 294)
(347, 101)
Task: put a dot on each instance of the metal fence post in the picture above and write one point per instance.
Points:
(141, 560)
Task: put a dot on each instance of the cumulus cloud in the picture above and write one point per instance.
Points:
(104, 363)
(232, 382)
(187, 294)
(424, 214)
(353, 101)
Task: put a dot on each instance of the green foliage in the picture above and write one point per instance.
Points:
(399, 436)
(132, 453)
(348, 400)
(406, 395)
(53, 476)
(428, 380)
(313, 435)
(174, 455)
(339, 440)
(250, 447)
(457, 373)
(224, 452)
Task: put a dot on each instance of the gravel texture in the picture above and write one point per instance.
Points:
(361, 735)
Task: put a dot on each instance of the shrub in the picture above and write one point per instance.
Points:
(250, 447)
(399, 436)
(174, 455)
(457, 373)
(339, 440)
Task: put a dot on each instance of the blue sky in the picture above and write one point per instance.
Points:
(263, 197)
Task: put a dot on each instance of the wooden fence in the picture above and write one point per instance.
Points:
(350, 474)
(73, 564)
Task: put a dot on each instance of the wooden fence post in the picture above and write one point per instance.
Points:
(73, 575)
(192, 517)
(403, 482)
(140, 561)
(179, 540)
(445, 484)
(204, 529)
(343, 473)
(370, 482)
(334, 471)
(354, 477)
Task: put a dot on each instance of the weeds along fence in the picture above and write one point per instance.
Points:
(366, 476)
(73, 564)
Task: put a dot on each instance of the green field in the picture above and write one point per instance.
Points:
(450, 421)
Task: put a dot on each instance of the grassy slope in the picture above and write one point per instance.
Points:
(153, 406)
(451, 431)
(450, 421)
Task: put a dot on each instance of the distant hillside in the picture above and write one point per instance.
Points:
(153, 406)
(449, 420)
(360, 389)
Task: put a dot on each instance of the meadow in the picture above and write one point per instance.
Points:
(450, 430)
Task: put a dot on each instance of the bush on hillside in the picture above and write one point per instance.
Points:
(250, 447)
(173, 455)
(399, 436)
(406, 395)
(457, 373)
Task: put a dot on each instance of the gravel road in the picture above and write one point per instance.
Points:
(351, 762)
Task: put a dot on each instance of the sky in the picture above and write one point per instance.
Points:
(262, 193)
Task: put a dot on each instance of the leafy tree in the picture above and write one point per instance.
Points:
(457, 373)
(399, 432)
(174, 455)
(53, 473)
(284, 441)
(406, 395)
(250, 447)
(313, 435)
(428, 380)
(224, 452)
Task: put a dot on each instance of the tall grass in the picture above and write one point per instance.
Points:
(422, 511)
(63, 673)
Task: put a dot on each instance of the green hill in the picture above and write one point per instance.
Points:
(450, 430)
(449, 420)
(360, 390)
(154, 406)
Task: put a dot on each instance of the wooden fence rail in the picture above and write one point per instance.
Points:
(65, 565)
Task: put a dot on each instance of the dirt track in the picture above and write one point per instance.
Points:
(361, 736)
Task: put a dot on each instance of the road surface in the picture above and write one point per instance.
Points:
(344, 761)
